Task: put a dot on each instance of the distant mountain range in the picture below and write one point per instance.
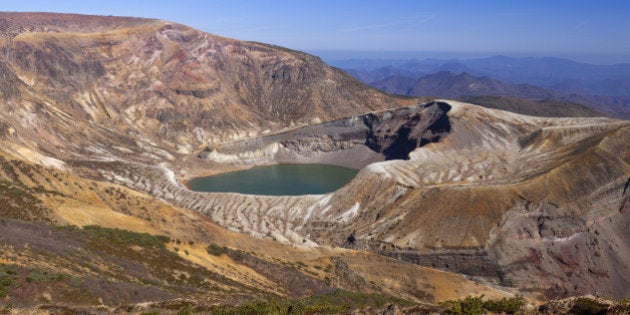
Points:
(605, 88)
(554, 73)
(450, 85)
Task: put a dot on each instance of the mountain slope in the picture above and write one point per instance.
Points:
(543, 108)
(158, 82)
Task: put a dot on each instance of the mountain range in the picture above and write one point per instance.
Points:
(102, 119)
(602, 87)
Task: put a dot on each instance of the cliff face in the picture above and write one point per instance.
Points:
(540, 204)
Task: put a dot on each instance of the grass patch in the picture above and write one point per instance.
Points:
(8, 276)
(216, 250)
(20, 202)
(331, 303)
(476, 305)
(14, 275)
(124, 237)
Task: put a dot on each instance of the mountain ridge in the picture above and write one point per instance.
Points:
(602, 87)
(467, 87)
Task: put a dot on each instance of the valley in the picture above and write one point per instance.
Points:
(103, 120)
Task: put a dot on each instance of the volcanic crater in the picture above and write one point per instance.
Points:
(134, 107)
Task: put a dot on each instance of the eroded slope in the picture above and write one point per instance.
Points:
(501, 196)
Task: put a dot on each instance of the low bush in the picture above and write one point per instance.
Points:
(476, 305)
(124, 237)
(331, 303)
(215, 250)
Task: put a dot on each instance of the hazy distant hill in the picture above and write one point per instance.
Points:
(602, 87)
(488, 92)
(546, 72)
(450, 85)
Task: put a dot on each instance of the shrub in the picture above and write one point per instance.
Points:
(505, 305)
(124, 237)
(468, 306)
(476, 305)
(336, 302)
(8, 275)
(216, 250)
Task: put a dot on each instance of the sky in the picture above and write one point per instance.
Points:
(596, 31)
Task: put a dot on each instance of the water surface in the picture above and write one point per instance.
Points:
(277, 180)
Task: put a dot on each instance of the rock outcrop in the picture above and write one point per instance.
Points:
(353, 142)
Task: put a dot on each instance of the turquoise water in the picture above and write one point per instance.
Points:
(277, 180)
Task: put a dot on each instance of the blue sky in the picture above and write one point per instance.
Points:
(528, 27)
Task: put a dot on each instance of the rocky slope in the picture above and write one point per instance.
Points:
(536, 203)
(139, 84)
(101, 119)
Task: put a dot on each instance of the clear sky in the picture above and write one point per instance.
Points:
(527, 27)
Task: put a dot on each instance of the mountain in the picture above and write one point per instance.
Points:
(128, 82)
(102, 119)
(601, 87)
(84, 97)
(449, 85)
(546, 72)
(485, 91)
(536, 203)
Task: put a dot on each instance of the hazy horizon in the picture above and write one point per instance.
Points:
(586, 31)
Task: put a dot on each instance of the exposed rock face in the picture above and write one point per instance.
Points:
(537, 203)
(139, 85)
(353, 142)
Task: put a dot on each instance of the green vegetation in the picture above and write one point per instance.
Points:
(124, 237)
(329, 303)
(477, 305)
(20, 202)
(14, 275)
(216, 250)
(40, 275)
(8, 276)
